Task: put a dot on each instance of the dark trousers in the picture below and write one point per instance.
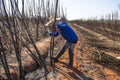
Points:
(70, 47)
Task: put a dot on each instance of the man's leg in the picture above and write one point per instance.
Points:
(71, 53)
(62, 50)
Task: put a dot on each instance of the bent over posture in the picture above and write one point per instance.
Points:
(63, 29)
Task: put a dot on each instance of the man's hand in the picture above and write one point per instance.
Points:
(51, 34)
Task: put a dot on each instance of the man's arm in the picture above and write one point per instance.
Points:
(54, 34)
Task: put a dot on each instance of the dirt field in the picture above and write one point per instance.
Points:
(90, 62)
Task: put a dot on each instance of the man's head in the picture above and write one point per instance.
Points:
(51, 21)
(57, 19)
(61, 19)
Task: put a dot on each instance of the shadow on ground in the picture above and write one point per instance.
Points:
(76, 74)
(108, 61)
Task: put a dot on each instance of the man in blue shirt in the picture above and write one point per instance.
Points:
(63, 29)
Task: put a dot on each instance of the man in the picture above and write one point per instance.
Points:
(63, 29)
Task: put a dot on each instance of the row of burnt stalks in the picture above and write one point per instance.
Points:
(12, 26)
(31, 62)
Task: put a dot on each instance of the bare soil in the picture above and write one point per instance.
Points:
(90, 62)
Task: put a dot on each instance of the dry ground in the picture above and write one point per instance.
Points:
(90, 62)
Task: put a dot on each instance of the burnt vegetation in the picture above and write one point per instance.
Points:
(22, 23)
(104, 35)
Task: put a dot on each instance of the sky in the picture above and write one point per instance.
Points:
(77, 9)
(84, 9)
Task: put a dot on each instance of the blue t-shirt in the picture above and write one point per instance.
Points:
(66, 32)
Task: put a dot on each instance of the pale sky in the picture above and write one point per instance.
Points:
(77, 9)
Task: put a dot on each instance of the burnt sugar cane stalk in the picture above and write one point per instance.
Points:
(4, 60)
